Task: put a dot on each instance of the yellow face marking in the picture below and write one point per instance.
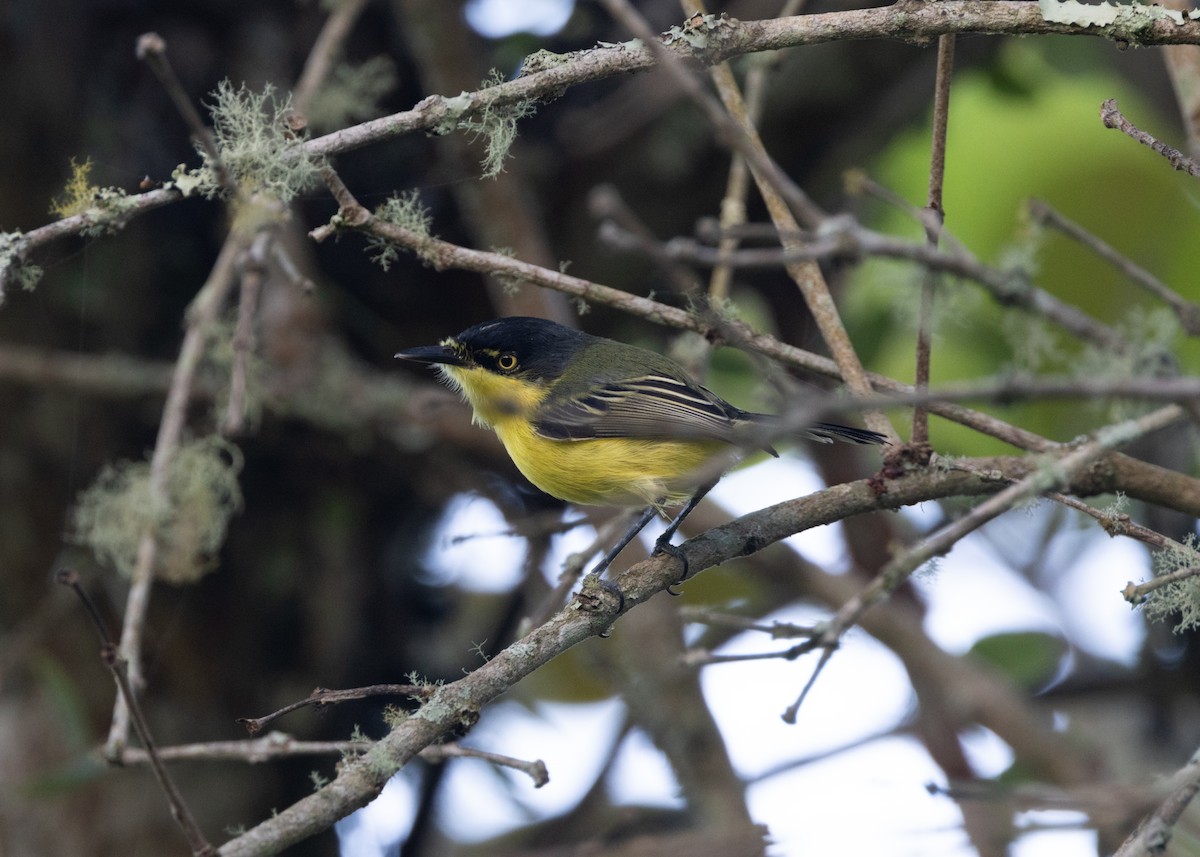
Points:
(495, 399)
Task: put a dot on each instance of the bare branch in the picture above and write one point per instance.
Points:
(1186, 311)
(243, 337)
(323, 696)
(152, 50)
(922, 22)
(1050, 475)
(1135, 594)
(201, 314)
(937, 176)
(1154, 833)
(279, 745)
(1113, 118)
(842, 237)
(117, 666)
(325, 51)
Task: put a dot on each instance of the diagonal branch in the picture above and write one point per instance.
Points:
(591, 613)
(921, 22)
(1048, 476)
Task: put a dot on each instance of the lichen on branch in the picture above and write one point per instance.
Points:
(256, 147)
(118, 509)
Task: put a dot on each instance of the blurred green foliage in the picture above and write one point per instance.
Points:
(1025, 129)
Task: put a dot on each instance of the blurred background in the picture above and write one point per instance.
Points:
(379, 535)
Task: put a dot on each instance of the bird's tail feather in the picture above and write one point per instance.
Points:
(829, 432)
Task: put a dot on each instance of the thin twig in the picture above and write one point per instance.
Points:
(535, 768)
(859, 183)
(745, 37)
(280, 745)
(152, 50)
(287, 266)
(323, 696)
(200, 315)
(1153, 835)
(777, 630)
(326, 49)
(844, 238)
(116, 665)
(1136, 594)
(1120, 524)
(1050, 475)
(937, 177)
(1186, 311)
(1105, 802)
(694, 658)
(244, 340)
(941, 118)
(784, 200)
(1113, 118)
(255, 751)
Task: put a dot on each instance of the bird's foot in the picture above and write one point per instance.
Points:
(663, 545)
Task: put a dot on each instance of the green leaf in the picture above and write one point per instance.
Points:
(1028, 658)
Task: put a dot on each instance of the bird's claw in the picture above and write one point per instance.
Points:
(663, 545)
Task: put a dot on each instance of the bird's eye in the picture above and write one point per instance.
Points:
(507, 362)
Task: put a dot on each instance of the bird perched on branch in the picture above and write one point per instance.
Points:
(597, 422)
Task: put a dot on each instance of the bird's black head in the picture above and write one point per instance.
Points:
(531, 348)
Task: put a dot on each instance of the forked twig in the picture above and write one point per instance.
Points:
(117, 666)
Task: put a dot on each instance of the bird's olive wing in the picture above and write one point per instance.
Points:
(648, 406)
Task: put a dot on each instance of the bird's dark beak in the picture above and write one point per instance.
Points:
(433, 354)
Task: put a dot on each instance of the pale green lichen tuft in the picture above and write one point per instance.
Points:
(1021, 257)
(1115, 516)
(393, 716)
(104, 208)
(1036, 346)
(76, 196)
(406, 211)
(352, 93)
(202, 494)
(1151, 335)
(379, 762)
(1180, 598)
(25, 274)
(257, 147)
(191, 181)
(497, 126)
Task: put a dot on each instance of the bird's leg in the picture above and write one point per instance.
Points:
(663, 545)
(630, 535)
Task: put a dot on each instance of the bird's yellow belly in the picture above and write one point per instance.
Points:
(592, 472)
(609, 471)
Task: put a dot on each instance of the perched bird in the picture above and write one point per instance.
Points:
(597, 422)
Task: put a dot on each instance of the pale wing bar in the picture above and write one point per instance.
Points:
(648, 406)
